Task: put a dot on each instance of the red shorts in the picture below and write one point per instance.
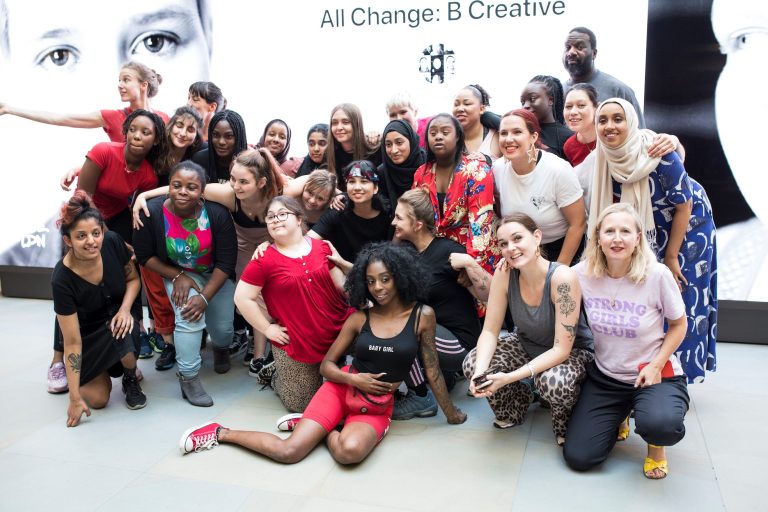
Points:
(328, 407)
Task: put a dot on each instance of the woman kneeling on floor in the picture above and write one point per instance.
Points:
(386, 338)
(628, 295)
(94, 287)
(551, 343)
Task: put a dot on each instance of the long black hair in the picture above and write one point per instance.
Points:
(238, 128)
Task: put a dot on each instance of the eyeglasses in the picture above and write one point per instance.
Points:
(279, 216)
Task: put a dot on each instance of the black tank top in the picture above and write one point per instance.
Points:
(391, 355)
(242, 220)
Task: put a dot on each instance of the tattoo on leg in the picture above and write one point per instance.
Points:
(75, 361)
(567, 304)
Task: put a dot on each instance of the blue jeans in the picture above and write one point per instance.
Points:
(217, 319)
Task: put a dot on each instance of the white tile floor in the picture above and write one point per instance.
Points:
(129, 460)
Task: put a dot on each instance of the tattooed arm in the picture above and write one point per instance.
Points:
(565, 295)
(478, 276)
(428, 352)
(73, 360)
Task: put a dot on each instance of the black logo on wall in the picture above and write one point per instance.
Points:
(437, 63)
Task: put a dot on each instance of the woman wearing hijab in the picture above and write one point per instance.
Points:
(400, 156)
(317, 143)
(277, 139)
(677, 217)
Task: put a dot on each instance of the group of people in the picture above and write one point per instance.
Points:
(558, 253)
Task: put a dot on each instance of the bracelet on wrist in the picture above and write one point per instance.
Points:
(530, 369)
(173, 281)
(204, 299)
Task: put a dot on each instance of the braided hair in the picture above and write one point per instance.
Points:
(555, 91)
(238, 128)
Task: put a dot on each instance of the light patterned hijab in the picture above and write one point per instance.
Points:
(629, 165)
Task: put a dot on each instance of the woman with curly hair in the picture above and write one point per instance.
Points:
(388, 335)
(114, 172)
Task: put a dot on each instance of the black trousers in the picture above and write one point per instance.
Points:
(603, 404)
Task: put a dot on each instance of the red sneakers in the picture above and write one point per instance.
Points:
(202, 437)
(288, 422)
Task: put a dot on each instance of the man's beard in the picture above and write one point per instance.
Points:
(579, 68)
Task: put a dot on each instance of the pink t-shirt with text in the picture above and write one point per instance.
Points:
(627, 319)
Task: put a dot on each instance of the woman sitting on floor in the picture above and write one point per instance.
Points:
(389, 334)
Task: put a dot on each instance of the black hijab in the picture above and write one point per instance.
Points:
(399, 178)
(284, 153)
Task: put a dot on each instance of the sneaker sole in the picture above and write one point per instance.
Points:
(149, 355)
(185, 435)
(137, 406)
(286, 418)
(417, 414)
(256, 374)
(58, 391)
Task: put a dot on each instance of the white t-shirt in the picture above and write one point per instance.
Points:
(585, 172)
(539, 194)
(627, 319)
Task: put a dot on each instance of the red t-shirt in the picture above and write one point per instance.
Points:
(301, 296)
(575, 151)
(116, 186)
(113, 122)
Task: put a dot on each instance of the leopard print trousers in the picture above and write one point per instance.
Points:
(295, 383)
(559, 386)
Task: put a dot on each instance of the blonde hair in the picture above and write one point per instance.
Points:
(321, 179)
(642, 257)
(400, 99)
(420, 204)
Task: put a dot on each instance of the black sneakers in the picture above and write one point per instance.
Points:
(167, 358)
(134, 396)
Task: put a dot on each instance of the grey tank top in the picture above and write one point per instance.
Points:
(536, 325)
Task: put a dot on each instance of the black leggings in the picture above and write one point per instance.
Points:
(605, 402)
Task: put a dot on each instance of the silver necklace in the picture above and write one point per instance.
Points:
(616, 292)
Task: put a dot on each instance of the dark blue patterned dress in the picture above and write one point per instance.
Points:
(670, 186)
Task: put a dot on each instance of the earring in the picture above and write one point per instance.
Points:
(532, 153)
